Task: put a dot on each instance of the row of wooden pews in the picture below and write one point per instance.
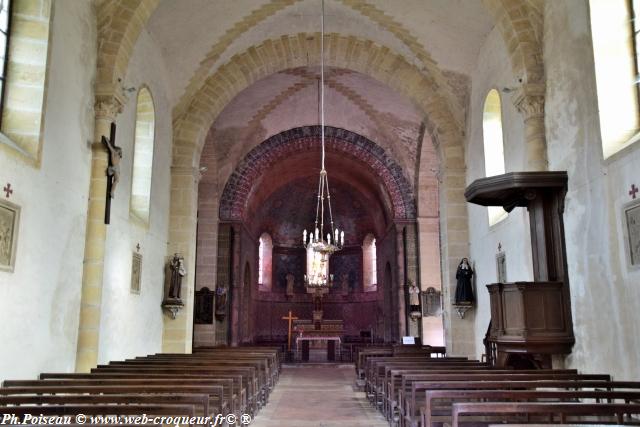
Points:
(412, 388)
(210, 382)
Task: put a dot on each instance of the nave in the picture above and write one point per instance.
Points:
(399, 386)
(318, 395)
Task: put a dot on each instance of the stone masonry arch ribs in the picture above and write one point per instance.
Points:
(236, 192)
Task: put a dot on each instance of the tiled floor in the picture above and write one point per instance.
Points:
(318, 395)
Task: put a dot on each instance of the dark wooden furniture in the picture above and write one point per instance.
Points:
(530, 321)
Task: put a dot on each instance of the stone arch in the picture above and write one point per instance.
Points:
(521, 22)
(364, 56)
(284, 144)
(119, 25)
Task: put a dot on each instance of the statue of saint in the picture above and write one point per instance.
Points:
(113, 171)
(177, 273)
(344, 283)
(290, 282)
(414, 296)
(221, 302)
(464, 290)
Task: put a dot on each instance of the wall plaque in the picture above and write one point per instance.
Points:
(203, 309)
(136, 273)
(632, 231)
(9, 222)
(431, 302)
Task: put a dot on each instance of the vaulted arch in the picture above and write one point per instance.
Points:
(237, 190)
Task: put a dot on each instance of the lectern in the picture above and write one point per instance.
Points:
(530, 321)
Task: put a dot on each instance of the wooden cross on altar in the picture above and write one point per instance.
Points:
(634, 190)
(290, 318)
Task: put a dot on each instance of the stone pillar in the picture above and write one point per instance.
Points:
(106, 109)
(430, 275)
(235, 287)
(177, 334)
(412, 273)
(529, 100)
(223, 278)
(402, 317)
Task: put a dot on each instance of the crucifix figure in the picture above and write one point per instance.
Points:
(634, 190)
(113, 171)
(290, 318)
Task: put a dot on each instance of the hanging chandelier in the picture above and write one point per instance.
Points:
(319, 249)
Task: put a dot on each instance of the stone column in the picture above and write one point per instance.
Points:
(235, 289)
(529, 100)
(412, 273)
(106, 110)
(177, 334)
(402, 318)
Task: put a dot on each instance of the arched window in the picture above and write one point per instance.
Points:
(265, 251)
(24, 40)
(493, 146)
(614, 31)
(143, 156)
(369, 260)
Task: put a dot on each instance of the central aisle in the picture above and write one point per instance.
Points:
(320, 395)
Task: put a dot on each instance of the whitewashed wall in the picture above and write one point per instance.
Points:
(493, 71)
(131, 324)
(605, 293)
(40, 300)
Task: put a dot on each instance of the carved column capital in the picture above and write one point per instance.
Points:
(107, 108)
(529, 100)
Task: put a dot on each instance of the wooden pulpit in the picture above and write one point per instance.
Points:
(530, 321)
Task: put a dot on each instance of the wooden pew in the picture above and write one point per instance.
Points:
(614, 411)
(200, 402)
(248, 374)
(238, 393)
(408, 390)
(425, 386)
(431, 412)
(225, 399)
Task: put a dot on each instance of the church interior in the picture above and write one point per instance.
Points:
(267, 194)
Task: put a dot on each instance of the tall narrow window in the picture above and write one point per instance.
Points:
(614, 31)
(265, 251)
(143, 156)
(24, 47)
(369, 261)
(493, 146)
(5, 19)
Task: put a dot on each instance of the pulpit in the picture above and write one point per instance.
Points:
(530, 321)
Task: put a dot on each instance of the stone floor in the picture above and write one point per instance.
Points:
(318, 395)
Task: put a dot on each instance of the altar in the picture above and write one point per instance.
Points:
(318, 341)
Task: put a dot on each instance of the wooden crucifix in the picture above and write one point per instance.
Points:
(290, 318)
(113, 171)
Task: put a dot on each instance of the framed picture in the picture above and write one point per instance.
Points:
(631, 215)
(9, 224)
(136, 273)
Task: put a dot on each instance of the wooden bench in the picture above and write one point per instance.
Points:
(432, 412)
(617, 413)
(408, 391)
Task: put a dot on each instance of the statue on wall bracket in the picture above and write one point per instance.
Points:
(464, 290)
(221, 302)
(414, 301)
(172, 303)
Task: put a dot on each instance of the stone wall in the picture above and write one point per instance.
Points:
(124, 313)
(41, 296)
(604, 290)
(512, 234)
